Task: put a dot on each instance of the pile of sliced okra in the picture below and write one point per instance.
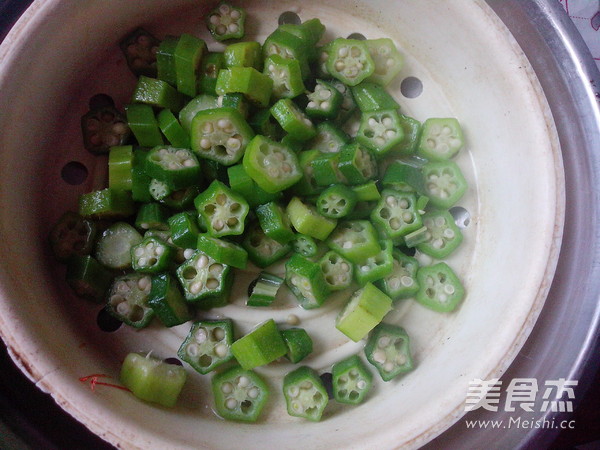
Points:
(288, 150)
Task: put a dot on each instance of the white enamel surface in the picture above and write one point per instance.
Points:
(61, 53)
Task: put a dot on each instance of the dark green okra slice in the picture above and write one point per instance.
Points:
(307, 184)
(226, 22)
(262, 345)
(310, 32)
(153, 380)
(396, 213)
(375, 267)
(370, 97)
(305, 245)
(330, 138)
(442, 234)
(286, 75)
(72, 235)
(306, 219)
(140, 180)
(401, 282)
(222, 210)
(348, 106)
(365, 309)
(88, 278)
(275, 222)
(139, 48)
(106, 203)
(167, 302)
(157, 93)
(165, 60)
(222, 251)
(120, 167)
(387, 59)
(320, 65)
(357, 164)
(412, 134)
(221, 135)
(178, 168)
(324, 101)
(336, 202)
(159, 190)
(208, 345)
(326, 171)
(441, 139)
(388, 349)
(305, 394)
(293, 120)
(380, 131)
(243, 184)
(444, 183)
(262, 250)
(210, 65)
(235, 101)
(263, 290)
(298, 342)
(182, 199)
(355, 240)
(349, 61)
(172, 129)
(152, 255)
(239, 394)
(256, 86)
(306, 281)
(200, 103)
(204, 280)
(403, 176)
(143, 124)
(439, 287)
(289, 46)
(188, 54)
(184, 229)
(367, 192)
(243, 54)
(128, 299)
(352, 380)
(113, 248)
(337, 270)
(273, 166)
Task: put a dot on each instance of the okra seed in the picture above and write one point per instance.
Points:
(196, 287)
(325, 106)
(116, 299)
(407, 217)
(361, 384)
(449, 289)
(202, 261)
(144, 283)
(189, 163)
(339, 66)
(143, 261)
(139, 252)
(404, 203)
(443, 298)
(122, 286)
(311, 104)
(218, 225)
(119, 128)
(207, 127)
(384, 341)
(355, 52)
(192, 350)
(343, 52)
(214, 19)
(347, 245)
(253, 393)
(388, 366)
(201, 335)
(389, 62)
(394, 283)
(216, 268)
(400, 359)
(205, 143)
(223, 123)
(448, 233)
(224, 9)
(221, 350)
(123, 308)
(292, 319)
(188, 252)
(243, 381)
(379, 356)
(395, 223)
(227, 388)
(407, 281)
(212, 283)
(231, 403)
(306, 385)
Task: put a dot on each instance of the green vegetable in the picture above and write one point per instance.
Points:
(370, 97)
(439, 287)
(113, 249)
(128, 299)
(401, 282)
(336, 201)
(143, 124)
(352, 380)
(184, 229)
(380, 131)
(243, 184)
(357, 164)
(337, 270)
(388, 349)
(441, 139)
(298, 342)
(275, 222)
(167, 302)
(263, 250)
(396, 214)
(355, 240)
(188, 54)
(306, 220)
(243, 54)
(255, 86)
(305, 245)
(72, 235)
(165, 60)
(306, 281)
(157, 93)
(324, 102)
(304, 393)
(152, 255)
(293, 120)
(178, 168)
(349, 61)
(226, 22)
(88, 278)
(239, 394)
(375, 267)
(387, 60)
(442, 236)
(208, 345)
(260, 346)
(222, 210)
(286, 75)
(205, 281)
(222, 251)
(444, 183)
(120, 167)
(264, 290)
(172, 129)
(140, 48)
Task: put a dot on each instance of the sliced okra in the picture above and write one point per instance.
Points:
(184, 229)
(412, 134)
(307, 184)
(357, 164)
(337, 270)
(208, 345)
(165, 60)
(120, 167)
(305, 394)
(182, 199)
(222, 251)
(236, 101)
(289, 46)
(157, 93)
(330, 138)
(204, 279)
(226, 22)
(72, 235)
(387, 59)
(239, 394)
(167, 302)
(152, 216)
(380, 131)
(298, 342)
(140, 49)
(371, 96)
(320, 66)
(200, 103)
(293, 120)
(444, 183)
(263, 250)
(88, 278)
(352, 380)
(140, 180)
(305, 245)
(336, 201)
(306, 281)
(143, 124)
(264, 290)
(172, 129)
(256, 86)
(442, 233)
(355, 240)
(243, 54)
(367, 192)
(262, 122)
(178, 168)
(223, 210)
(388, 349)
(324, 101)
(348, 106)
(306, 220)
(152, 255)
(350, 61)
(113, 249)
(128, 299)
(439, 287)
(326, 170)
(243, 184)
(275, 222)
(441, 139)
(403, 176)
(104, 127)
(401, 282)
(159, 190)
(210, 65)
(286, 75)
(262, 345)
(375, 267)
(396, 213)
(188, 54)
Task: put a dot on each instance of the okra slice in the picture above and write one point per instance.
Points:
(178, 168)
(367, 192)
(113, 249)
(88, 278)
(153, 380)
(286, 75)
(412, 134)
(194, 106)
(326, 171)
(167, 302)
(143, 124)
(365, 309)
(271, 165)
(159, 190)
(208, 345)
(182, 199)
(239, 394)
(72, 235)
(371, 96)
(104, 127)
(320, 65)
(262, 250)
(388, 349)
(256, 86)
(289, 46)
(120, 167)
(263, 290)
(441, 139)
(336, 201)
(352, 380)
(221, 135)
(306, 220)
(324, 101)
(375, 267)
(305, 394)
(226, 22)
(396, 213)
(305, 245)
(310, 32)
(243, 184)
(188, 54)
(157, 93)
(350, 61)
(355, 240)
(184, 229)
(172, 129)
(380, 131)
(402, 176)
(152, 255)
(357, 164)
(203, 279)
(337, 270)
(439, 287)
(128, 299)
(152, 216)
(236, 101)
(210, 65)
(222, 251)
(362, 210)
(140, 49)
(298, 342)
(442, 234)
(444, 183)
(401, 282)
(262, 345)
(348, 106)
(307, 184)
(293, 120)
(275, 222)
(140, 180)
(165, 60)
(262, 122)
(387, 59)
(243, 54)
(223, 210)
(329, 138)
(306, 281)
